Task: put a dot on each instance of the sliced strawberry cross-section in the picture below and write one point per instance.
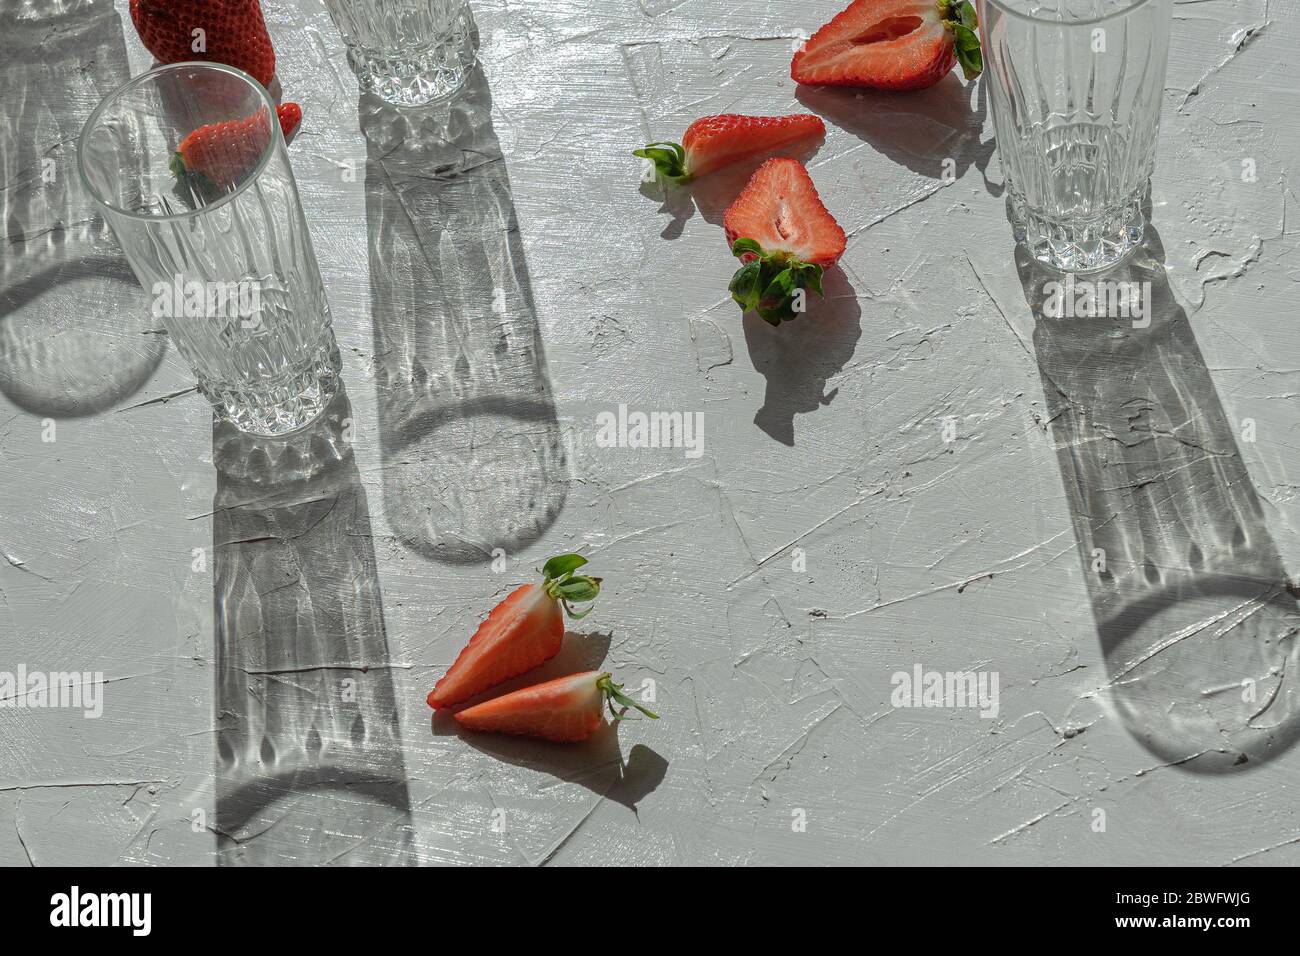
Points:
(892, 45)
(712, 142)
(784, 237)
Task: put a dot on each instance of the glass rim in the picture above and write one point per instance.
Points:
(1004, 7)
(141, 80)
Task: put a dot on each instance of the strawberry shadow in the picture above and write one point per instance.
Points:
(922, 130)
(798, 357)
(596, 763)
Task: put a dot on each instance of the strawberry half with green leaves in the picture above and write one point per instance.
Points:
(785, 237)
(892, 45)
(522, 631)
(233, 32)
(712, 142)
(215, 157)
(565, 709)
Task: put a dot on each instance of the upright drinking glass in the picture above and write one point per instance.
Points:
(408, 52)
(213, 229)
(1075, 89)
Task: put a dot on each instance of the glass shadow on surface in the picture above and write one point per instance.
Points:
(75, 332)
(309, 765)
(1188, 590)
(470, 442)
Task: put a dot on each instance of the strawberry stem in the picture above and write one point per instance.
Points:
(563, 585)
(772, 283)
(669, 160)
(614, 692)
(959, 16)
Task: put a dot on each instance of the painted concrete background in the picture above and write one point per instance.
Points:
(268, 619)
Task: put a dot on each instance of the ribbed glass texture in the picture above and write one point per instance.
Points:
(408, 52)
(226, 262)
(1074, 88)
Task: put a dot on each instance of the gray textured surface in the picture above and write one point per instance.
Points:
(477, 356)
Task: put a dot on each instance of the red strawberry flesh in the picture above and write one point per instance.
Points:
(564, 709)
(712, 142)
(883, 44)
(781, 211)
(523, 631)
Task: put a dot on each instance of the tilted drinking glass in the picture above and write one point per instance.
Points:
(213, 228)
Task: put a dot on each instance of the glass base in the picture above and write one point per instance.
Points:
(1073, 245)
(418, 78)
(285, 408)
(279, 464)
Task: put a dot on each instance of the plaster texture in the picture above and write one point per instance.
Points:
(268, 618)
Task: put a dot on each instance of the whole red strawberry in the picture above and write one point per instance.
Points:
(222, 31)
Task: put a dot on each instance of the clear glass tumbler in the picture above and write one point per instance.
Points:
(407, 52)
(1074, 87)
(212, 227)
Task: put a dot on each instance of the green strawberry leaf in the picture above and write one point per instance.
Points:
(669, 160)
(579, 589)
(746, 284)
(967, 44)
(564, 586)
(614, 694)
(562, 564)
(773, 284)
(960, 17)
(812, 278)
(779, 288)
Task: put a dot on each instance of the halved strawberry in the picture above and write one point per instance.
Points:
(522, 631)
(712, 142)
(785, 237)
(215, 156)
(892, 45)
(565, 709)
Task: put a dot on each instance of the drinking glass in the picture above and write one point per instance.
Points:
(408, 52)
(222, 248)
(1075, 89)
